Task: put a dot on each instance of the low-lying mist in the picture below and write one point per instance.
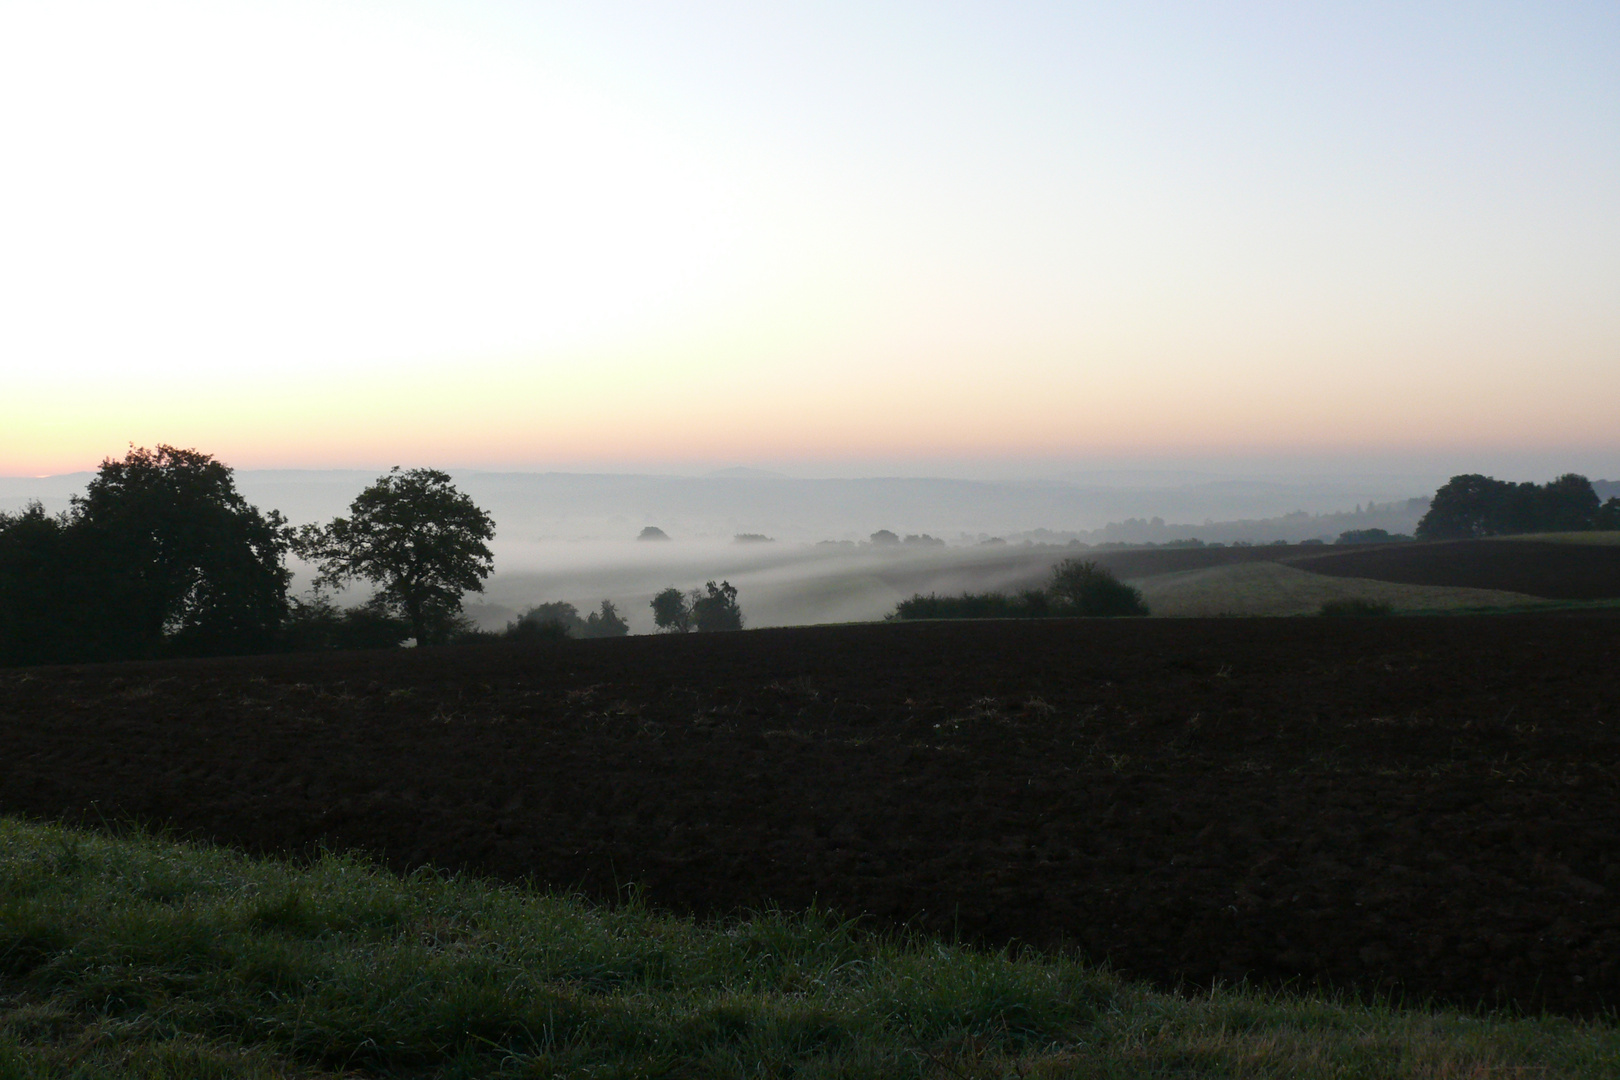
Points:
(571, 537)
(778, 584)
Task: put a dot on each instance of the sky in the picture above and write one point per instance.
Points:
(835, 238)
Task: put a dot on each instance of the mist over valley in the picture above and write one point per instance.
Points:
(572, 536)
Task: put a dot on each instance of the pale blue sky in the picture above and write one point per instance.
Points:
(622, 234)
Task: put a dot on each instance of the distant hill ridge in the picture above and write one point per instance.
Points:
(553, 506)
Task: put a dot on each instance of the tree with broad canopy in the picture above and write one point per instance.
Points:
(418, 538)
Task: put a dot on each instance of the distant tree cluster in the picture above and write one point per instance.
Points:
(162, 556)
(1370, 536)
(714, 607)
(560, 619)
(1076, 588)
(887, 538)
(1472, 505)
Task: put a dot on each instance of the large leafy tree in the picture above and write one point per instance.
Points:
(46, 610)
(672, 612)
(182, 562)
(1472, 505)
(716, 608)
(416, 537)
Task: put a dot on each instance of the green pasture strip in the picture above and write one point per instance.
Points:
(132, 956)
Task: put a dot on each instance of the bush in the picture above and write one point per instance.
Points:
(535, 632)
(966, 606)
(1076, 588)
(1355, 606)
(318, 624)
(1083, 588)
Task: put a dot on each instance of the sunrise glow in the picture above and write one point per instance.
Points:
(507, 235)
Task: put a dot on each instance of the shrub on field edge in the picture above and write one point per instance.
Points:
(1081, 587)
(1076, 587)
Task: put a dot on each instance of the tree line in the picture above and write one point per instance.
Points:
(162, 556)
(1471, 506)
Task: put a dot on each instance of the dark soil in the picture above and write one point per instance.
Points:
(1551, 570)
(1423, 805)
(1146, 562)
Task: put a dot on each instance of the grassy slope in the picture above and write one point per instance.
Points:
(139, 957)
(1268, 588)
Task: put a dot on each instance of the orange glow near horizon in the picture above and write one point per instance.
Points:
(526, 238)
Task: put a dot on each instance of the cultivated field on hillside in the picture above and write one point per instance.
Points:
(1276, 588)
(798, 585)
(1422, 804)
(1553, 571)
(1602, 539)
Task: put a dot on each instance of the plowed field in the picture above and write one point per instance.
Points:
(1556, 571)
(1424, 804)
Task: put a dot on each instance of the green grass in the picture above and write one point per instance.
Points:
(137, 957)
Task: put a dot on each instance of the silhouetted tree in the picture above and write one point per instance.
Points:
(1466, 506)
(1472, 505)
(1567, 504)
(186, 564)
(671, 612)
(605, 623)
(716, 608)
(416, 536)
(48, 603)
